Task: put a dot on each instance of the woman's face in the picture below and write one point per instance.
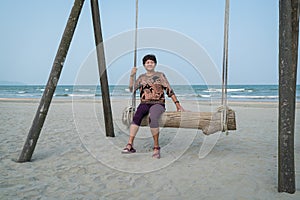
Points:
(149, 65)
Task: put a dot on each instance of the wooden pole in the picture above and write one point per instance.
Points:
(208, 122)
(45, 101)
(225, 55)
(109, 128)
(135, 55)
(288, 54)
(225, 66)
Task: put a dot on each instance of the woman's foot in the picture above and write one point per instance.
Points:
(128, 149)
(156, 152)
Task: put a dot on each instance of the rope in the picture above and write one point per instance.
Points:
(225, 68)
(135, 55)
(127, 116)
(128, 112)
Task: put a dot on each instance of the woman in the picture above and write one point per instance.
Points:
(152, 85)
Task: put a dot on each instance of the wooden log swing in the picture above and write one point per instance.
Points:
(209, 122)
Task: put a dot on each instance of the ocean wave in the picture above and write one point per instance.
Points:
(27, 95)
(121, 94)
(205, 96)
(236, 92)
(21, 92)
(75, 95)
(61, 95)
(253, 97)
(228, 90)
(40, 89)
(82, 95)
(82, 90)
(194, 95)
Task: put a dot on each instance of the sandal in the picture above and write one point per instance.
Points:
(157, 153)
(128, 150)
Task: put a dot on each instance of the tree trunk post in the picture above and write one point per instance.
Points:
(109, 128)
(45, 101)
(288, 54)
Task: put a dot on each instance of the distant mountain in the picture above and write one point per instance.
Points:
(11, 83)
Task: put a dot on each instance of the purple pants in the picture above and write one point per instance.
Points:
(143, 109)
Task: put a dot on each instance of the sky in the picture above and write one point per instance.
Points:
(31, 31)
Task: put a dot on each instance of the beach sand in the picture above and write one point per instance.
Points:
(74, 160)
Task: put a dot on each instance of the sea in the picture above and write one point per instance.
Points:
(267, 93)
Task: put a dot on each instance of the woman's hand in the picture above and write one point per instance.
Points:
(179, 107)
(133, 71)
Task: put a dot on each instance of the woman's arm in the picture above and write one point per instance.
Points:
(170, 92)
(131, 79)
(177, 103)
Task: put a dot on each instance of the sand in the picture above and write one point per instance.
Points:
(74, 160)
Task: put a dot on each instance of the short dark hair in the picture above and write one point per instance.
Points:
(149, 57)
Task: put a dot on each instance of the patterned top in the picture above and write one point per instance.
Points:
(152, 88)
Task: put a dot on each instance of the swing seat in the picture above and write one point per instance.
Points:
(208, 122)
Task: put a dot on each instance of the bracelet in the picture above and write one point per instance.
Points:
(176, 102)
